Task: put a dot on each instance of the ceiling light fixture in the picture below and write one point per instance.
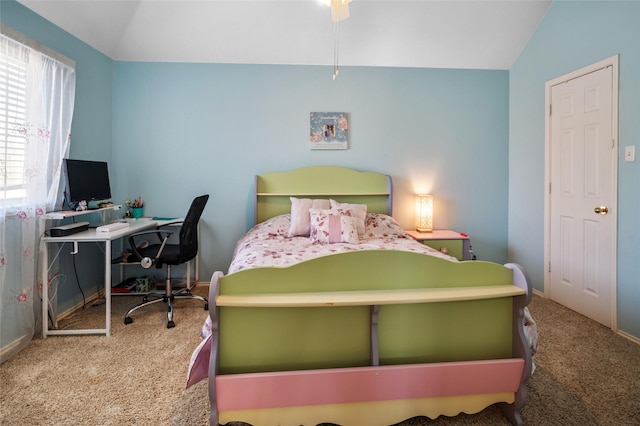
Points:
(339, 12)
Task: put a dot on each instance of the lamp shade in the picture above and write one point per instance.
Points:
(424, 213)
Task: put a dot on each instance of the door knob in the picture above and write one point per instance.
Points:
(601, 210)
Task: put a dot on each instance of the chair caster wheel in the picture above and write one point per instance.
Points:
(128, 320)
(206, 306)
(171, 324)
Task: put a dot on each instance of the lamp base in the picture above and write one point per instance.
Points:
(423, 229)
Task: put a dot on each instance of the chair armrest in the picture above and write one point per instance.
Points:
(150, 231)
(172, 223)
(162, 236)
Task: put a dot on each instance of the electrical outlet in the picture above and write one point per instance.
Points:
(630, 153)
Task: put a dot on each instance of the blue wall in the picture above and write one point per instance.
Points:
(185, 129)
(571, 36)
(474, 139)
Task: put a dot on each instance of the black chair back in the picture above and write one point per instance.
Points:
(189, 230)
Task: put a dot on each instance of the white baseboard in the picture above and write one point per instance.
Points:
(629, 337)
(73, 309)
(621, 333)
(4, 352)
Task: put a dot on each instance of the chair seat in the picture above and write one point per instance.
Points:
(170, 254)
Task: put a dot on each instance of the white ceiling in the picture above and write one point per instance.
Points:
(419, 33)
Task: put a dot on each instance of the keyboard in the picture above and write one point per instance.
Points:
(110, 227)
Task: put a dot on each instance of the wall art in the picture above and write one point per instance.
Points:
(329, 130)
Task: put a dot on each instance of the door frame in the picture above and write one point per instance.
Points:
(612, 62)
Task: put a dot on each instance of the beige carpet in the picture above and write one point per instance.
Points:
(586, 374)
(136, 376)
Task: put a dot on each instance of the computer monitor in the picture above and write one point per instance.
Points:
(86, 181)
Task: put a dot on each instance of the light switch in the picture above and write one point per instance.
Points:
(630, 153)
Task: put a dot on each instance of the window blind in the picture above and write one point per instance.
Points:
(13, 98)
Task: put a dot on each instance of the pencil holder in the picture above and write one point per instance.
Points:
(136, 212)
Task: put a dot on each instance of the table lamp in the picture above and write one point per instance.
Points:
(424, 213)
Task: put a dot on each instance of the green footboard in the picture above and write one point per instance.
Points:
(280, 339)
(451, 331)
(319, 313)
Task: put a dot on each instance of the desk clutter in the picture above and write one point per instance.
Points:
(135, 208)
(141, 284)
(70, 229)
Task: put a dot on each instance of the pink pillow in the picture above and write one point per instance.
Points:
(358, 211)
(199, 363)
(300, 214)
(328, 226)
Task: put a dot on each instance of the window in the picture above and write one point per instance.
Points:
(13, 140)
(37, 92)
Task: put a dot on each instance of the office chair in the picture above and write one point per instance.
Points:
(167, 254)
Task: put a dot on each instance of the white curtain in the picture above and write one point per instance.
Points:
(50, 94)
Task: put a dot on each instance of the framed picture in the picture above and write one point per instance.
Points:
(328, 130)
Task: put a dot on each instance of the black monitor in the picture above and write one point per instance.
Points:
(86, 181)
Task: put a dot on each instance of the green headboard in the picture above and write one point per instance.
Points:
(341, 184)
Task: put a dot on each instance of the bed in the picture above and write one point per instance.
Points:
(372, 328)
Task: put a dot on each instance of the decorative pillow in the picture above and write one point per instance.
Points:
(358, 211)
(300, 214)
(328, 226)
(379, 225)
(199, 363)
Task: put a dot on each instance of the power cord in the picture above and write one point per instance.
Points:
(62, 279)
(75, 270)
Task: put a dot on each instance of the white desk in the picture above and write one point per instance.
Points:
(89, 236)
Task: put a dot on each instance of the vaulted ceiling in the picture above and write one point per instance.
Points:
(473, 34)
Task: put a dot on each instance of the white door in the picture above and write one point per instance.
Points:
(582, 194)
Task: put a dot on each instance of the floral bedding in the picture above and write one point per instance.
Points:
(268, 243)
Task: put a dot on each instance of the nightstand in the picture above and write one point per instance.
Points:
(458, 245)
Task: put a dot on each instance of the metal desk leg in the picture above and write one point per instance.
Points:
(107, 285)
(107, 294)
(45, 290)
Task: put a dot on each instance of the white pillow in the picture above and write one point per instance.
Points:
(329, 226)
(358, 211)
(300, 214)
